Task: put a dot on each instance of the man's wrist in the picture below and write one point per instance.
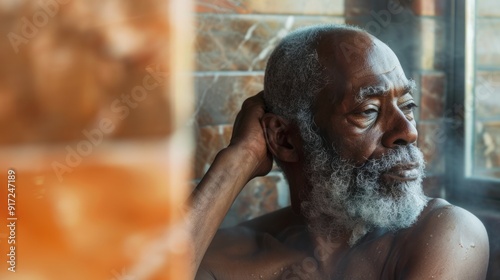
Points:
(245, 157)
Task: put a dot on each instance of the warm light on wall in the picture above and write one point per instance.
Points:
(93, 97)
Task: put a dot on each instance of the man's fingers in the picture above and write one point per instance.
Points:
(257, 99)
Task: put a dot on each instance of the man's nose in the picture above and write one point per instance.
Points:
(400, 131)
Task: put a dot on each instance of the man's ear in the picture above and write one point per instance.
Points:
(280, 137)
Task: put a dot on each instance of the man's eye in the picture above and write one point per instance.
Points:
(409, 108)
(369, 112)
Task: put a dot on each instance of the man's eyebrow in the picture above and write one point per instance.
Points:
(368, 91)
(410, 87)
(365, 92)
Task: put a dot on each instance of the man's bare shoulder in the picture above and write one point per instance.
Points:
(444, 219)
(446, 242)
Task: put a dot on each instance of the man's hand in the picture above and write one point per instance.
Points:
(248, 134)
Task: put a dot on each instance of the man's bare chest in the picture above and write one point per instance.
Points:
(274, 260)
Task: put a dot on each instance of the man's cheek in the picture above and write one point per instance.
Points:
(360, 152)
(371, 147)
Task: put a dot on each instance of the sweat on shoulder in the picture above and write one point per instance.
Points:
(336, 115)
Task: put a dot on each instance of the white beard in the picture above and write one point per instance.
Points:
(345, 198)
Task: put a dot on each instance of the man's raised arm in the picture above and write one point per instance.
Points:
(246, 157)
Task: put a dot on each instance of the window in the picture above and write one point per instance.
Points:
(474, 103)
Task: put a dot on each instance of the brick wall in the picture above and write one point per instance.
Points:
(90, 113)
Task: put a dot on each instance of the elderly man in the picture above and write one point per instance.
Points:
(336, 114)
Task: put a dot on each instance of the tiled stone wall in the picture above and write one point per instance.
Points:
(89, 118)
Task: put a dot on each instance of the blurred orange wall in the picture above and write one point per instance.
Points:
(94, 97)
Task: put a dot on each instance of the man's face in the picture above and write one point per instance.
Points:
(363, 161)
(375, 112)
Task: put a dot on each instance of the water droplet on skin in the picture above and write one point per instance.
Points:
(473, 245)
(430, 235)
(439, 215)
(261, 277)
(427, 244)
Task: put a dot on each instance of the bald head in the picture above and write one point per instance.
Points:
(294, 74)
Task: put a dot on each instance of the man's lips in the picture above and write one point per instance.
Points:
(408, 172)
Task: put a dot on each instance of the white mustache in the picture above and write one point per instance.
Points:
(402, 157)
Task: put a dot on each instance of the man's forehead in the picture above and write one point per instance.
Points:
(356, 55)
(378, 59)
(358, 65)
